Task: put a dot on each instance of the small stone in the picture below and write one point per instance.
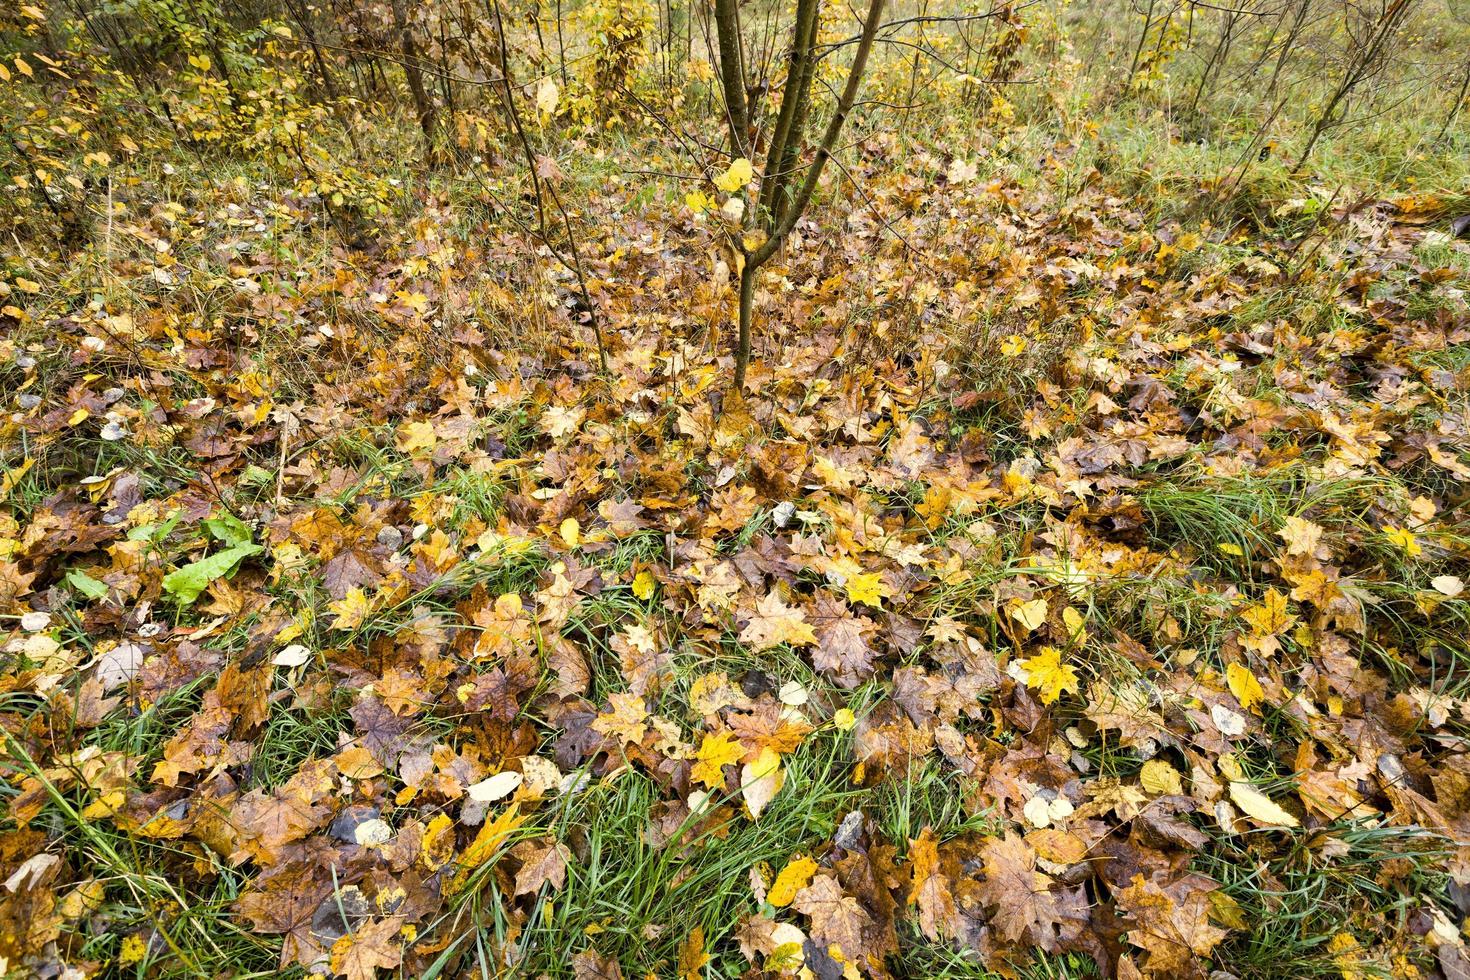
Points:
(341, 914)
(371, 833)
(850, 831)
(755, 683)
(344, 827)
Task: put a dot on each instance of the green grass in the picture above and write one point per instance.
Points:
(1296, 902)
(627, 896)
(191, 929)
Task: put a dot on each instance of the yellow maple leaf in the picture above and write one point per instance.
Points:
(1047, 674)
(490, 837)
(486, 843)
(438, 846)
(350, 610)
(775, 623)
(643, 585)
(134, 950)
(715, 752)
(924, 863)
(104, 805)
(558, 421)
(1301, 536)
(692, 955)
(867, 588)
(793, 878)
(1347, 954)
(626, 719)
(699, 202)
(1269, 617)
(711, 692)
(415, 436)
(1404, 540)
(415, 301)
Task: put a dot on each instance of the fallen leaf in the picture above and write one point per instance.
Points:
(1244, 686)
(795, 876)
(1029, 614)
(775, 623)
(543, 862)
(836, 919)
(1258, 806)
(1160, 779)
(1049, 675)
(715, 752)
(497, 787)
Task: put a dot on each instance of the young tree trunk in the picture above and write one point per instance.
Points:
(779, 226)
(748, 277)
(513, 124)
(1459, 103)
(732, 75)
(301, 14)
(786, 139)
(1148, 23)
(423, 105)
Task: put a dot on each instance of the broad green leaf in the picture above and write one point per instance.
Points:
(229, 529)
(186, 583)
(86, 584)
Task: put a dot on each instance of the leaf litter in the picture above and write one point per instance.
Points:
(1155, 583)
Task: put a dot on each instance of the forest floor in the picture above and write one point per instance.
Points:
(1075, 588)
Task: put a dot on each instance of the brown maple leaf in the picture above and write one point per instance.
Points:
(842, 649)
(268, 822)
(347, 548)
(931, 891)
(542, 862)
(351, 568)
(282, 902)
(379, 730)
(767, 725)
(1027, 906)
(1171, 922)
(622, 516)
(592, 965)
(836, 919)
(359, 955)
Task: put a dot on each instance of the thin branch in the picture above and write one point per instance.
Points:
(829, 139)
